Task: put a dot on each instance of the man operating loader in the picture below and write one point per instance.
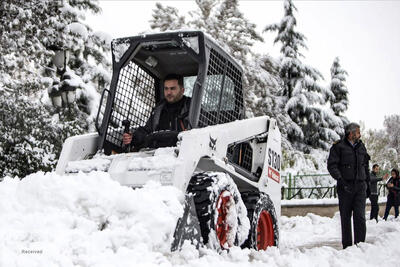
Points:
(167, 119)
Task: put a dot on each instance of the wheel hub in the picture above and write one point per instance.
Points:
(226, 219)
(265, 231)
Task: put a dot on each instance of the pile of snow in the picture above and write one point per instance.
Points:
(90, 220)
(321, 201)
(163, 159)
(99, 163)
(86, 220)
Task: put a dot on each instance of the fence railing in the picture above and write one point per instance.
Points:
(315, 186)
(309, 192)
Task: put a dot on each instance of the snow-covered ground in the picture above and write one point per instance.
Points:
(90, 220)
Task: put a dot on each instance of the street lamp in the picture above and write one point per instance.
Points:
(62, 93)
(67, 89)
(60, 58)
(55, 95)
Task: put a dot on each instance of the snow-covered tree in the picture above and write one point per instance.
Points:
(30, 140)
(338, 94)
(203, 18)
(384, 145)
(377, 146)
(237, 35)
(28, 30)
(392, 128)
(264, 85)
(338, 99)
(235, 31)
(292, 69)
(305, 96)
(220, 19)
(264, 93)
(224, 22)
(166, 18)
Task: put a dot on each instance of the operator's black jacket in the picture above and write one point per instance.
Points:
(165, 116)
(347, 163)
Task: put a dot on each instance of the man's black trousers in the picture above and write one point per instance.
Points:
(352, 197)
(374, 207)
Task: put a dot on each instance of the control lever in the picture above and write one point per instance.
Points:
(127, 125)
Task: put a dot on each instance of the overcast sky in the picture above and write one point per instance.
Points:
(365, 35)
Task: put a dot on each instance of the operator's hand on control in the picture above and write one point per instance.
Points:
(390, 185)
(126, 138)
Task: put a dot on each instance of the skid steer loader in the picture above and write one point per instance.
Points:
(227, 166)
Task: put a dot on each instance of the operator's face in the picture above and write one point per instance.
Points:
(393, 174)
(376, 169)
(172, 91)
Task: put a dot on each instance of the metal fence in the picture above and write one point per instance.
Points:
(315, 186)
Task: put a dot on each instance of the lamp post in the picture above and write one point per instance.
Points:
(55, 95)
(62, 93)
(60, 59)
(67, 89)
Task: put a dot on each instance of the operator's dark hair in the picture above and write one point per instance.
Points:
(351, 127)
(374, 166)
(396, 171)
(173, 76)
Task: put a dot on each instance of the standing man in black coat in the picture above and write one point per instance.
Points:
(373, 198)
(348, 164)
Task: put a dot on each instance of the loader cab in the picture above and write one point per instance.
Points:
(212, 79)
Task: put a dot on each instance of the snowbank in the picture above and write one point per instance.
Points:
(50, 220)
(320, 202)
(90, 220)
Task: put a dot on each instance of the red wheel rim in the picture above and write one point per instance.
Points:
(265, 231)
(222, 227)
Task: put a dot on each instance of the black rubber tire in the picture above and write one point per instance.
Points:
(206, 188)
(256, 203)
